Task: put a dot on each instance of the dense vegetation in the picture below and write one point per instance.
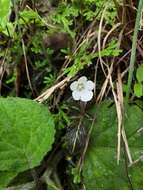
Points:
(71, 86)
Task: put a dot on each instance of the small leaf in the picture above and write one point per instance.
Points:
(4, 10)
(76, 175)
(26, 134)
(138, 89)
(5, 26)
(28, 16)
(139, 73)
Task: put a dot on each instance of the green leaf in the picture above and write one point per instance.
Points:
(5, 178)
(5, 26)
(139, 73)
(51, 187)
(26, 134)
(5, 9)
(30, 16)
(100, 169)
(138, 89)
(76, 175)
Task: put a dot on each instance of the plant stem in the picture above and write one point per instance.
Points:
(133, 51)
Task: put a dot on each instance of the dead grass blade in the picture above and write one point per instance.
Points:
(44, 96)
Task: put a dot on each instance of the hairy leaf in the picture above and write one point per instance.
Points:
(100, 170)
(5, 178)
(26, 134)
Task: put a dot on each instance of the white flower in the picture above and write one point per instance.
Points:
(82, 89)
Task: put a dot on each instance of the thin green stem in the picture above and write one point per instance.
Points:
(134, 46)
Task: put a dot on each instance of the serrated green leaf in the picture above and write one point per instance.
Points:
(139, 73)
(26, 134)
(100, 170)
(138, 89)
(5, 178)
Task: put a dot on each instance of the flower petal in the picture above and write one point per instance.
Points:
(76, 95)
(90, 85)
(82, 79)
(86, 95)
(74, 85)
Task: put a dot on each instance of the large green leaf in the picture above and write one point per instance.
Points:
(100, 170)
(26, 134)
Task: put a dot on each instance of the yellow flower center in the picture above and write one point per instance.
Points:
(80, 86)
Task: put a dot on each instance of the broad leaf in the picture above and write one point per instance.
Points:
(26, 134)
(100, 169)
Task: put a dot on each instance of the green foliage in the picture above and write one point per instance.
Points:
(49, 80)
(139, 73)
(138, 86)
(84, 58)
(29, 16)
(89, 9)
(100, 169)
(90, 13)
(76, 174)
(27, 128)
(64, 16)
(66, 13)
(5, 26)
(5, 9)
(36, 45)
(134, 47)
(11, 79)
(111, 49)
(138, 89)
(31, 27)
(6, 177)
(81, 59)
(61, 118)
(26, 135)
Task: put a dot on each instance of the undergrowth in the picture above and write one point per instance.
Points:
(45, 47)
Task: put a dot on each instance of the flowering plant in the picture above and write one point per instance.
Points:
(82, 89)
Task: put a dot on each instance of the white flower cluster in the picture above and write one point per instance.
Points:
(82, 89)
